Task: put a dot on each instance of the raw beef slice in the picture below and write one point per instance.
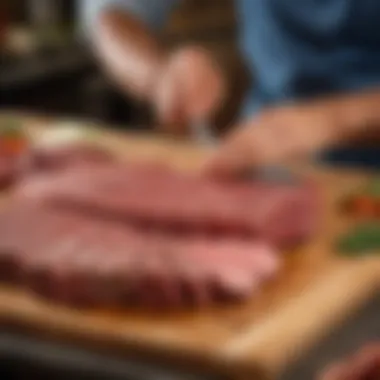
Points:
(47, 160)
(282, 214)
(6, 173)
(74, 259)
(53, 158)
(9, 170)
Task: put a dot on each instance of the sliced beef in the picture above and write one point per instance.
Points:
(106, 233)
(6, 173)
(231, 268)
(283, 214)
(45, 271)
(74, 259)
(46, 159)
(8, 170)
(43, 160)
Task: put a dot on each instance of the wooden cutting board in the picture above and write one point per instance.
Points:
(315, 291)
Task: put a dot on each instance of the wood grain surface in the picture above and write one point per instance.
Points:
(315, 291)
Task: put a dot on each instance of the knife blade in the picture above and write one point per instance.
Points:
(202, 133)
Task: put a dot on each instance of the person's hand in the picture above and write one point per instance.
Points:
(364, 365)
(189, 87)
(277, 135)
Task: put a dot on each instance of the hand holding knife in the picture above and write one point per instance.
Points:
(202, 133)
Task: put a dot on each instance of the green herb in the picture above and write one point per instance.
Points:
(10, 128)
(374, 188)
(361, 240)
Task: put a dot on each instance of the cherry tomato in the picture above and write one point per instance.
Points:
(12, 146)
(364, 206)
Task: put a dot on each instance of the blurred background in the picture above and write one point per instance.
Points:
(45, 66)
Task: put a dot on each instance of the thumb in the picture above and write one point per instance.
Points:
(233, 157)
(202, 82)
(226, 164)
(169, 102)
(250, 146)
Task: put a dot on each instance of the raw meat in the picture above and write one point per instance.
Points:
(110, 233)
(45, 160)
(74, 259)
(61, 157)
(282, 214)
(11, 167)
(7, 172)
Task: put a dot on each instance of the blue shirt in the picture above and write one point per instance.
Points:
(294, 48)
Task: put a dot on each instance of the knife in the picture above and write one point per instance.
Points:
(202, 133)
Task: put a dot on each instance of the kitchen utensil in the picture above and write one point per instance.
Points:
(203, 134)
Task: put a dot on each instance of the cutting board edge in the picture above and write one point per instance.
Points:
(234, 356)
(243, 350)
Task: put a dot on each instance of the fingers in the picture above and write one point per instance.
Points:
(190, 88)
(253, 144)
(169, 100)
(276, 136)
(203, 83)
(234, 155)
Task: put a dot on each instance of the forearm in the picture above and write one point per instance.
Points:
(129, 52)
(359, 116)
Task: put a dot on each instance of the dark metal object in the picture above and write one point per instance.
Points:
(276, 174)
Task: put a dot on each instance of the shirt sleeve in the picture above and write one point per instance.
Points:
(152, 12)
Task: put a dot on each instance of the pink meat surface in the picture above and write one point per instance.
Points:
(279, 213)
(74, 259)
(108, 233)
(8, 171)
(69, 155)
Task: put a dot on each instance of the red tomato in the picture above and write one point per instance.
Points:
(364, 206)
(12, 146)
(377, 208)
